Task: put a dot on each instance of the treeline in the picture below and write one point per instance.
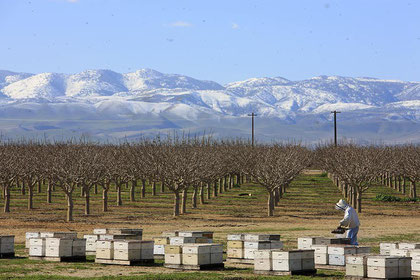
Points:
(202, 165)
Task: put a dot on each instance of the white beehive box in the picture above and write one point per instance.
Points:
(400, 252)
(58, 242)
(249, 253)
(388, 246)
(173, 258)
(105, 249)
(127, 244)
(357, 259)
(409, 246)
(30, 235)
(382, 272)
(263, 264)
(196, 249)
(91, 237)
(415, 265)
(415, 254)
(341, 250)
(99, 231)
(235, 237)
(287, 255)
(179, 240)
(196, 234)
(321, 258)
(59, 251)
(339, 260)
(105, 244)
(359, 270)
(37, 250)
(382, 261)
(161, 240)
(158, 249)
(320, 249)
(7, 244)
(195, 259)
(258, 245)
(236, 253)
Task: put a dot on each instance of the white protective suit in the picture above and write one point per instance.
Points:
(351, 220)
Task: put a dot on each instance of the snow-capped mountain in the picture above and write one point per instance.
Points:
(107, 104)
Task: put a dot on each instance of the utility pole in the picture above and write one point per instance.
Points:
(252, 115)
(335, 126)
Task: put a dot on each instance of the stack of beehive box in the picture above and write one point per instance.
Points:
(415, 262)
(7, 246)
(337, 254)
(28, 237)
(284, 261)
(385, 267)
(307, 242)
(180, 238)
(356, 265)
(110, 234)
(56, 245)
(194, 255)
(243, 246)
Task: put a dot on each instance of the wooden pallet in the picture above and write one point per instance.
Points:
(60, 259)
(218, 266)
(125, 262)
(286, 273)
(331, 267)
(239, 261)
(7, 256)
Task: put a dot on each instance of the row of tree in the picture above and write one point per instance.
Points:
(181, 164)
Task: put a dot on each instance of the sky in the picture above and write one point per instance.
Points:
(223, 41)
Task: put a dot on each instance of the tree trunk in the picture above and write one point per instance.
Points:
(119, 200)
(215, 188)
(413, 189)
(143, 188)
(6, 191)
(154, 188)
(276, 196)
(30, 196)
(194, 197)
(69, 207)
(95, 189)
(87, 201)
(49, 189)
(208, 190)
(225, 185)
(201, 193)
(359, 201)
(39, 186)
(82, 190)
(176, 204)
(133, 190)
(23, 189)
(270, 204)
(220, 185)
(184, 202)
(162, 187)
(105, 200)
(404, 185)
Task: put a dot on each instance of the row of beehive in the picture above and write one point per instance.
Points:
(403, 250)
(276, 260)
(382, 267)
(110, 234)
(127, 250)
(180, 238)
(244, 246)
(194, 254)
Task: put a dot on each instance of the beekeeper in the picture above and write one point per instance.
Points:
(350, 221)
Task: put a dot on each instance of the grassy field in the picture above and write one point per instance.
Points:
(306, 209)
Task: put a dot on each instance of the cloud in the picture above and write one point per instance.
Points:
(180, 24)
(235, 26)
